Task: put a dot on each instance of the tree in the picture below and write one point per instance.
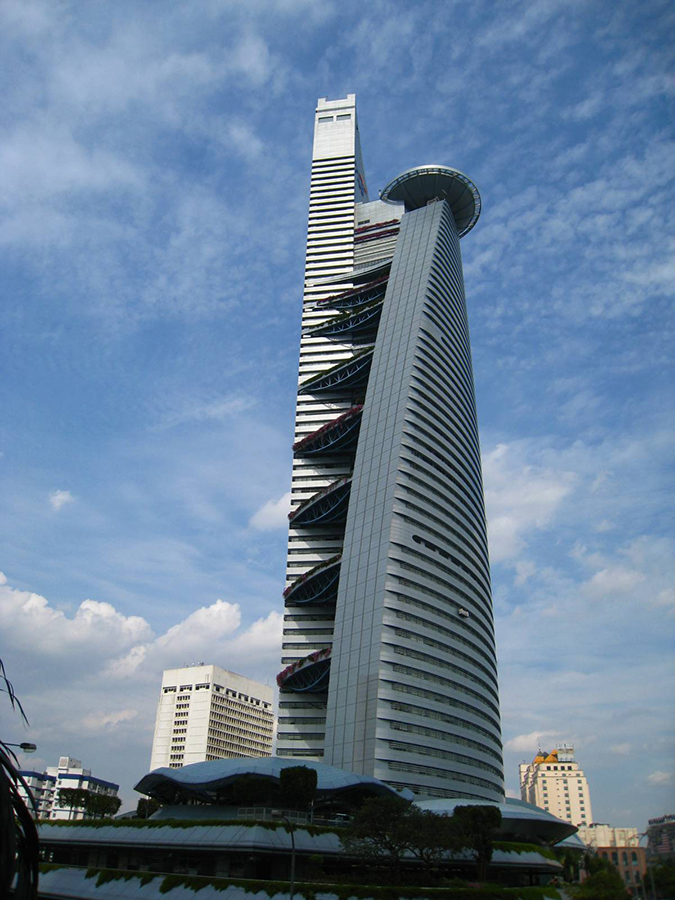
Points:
(146, 807)
(387, 829)
(664, 879)
(377, 832)
(101, 806)
(19, 847)
(72, 798)
(431, 836)
(478, 826)
(252, 790)
(297, 787)
(605, 884)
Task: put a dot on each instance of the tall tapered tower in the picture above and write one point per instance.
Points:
(389, 653)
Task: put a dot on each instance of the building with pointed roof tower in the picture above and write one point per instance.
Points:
(555, 782)
(388, 650)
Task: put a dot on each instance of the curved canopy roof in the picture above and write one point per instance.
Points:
(416, 187)
(520, 820)
(205, 780)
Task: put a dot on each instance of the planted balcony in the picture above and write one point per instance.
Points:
(308, 675)
(318, 587)
(339, 436)
(378, 226)
(349, 374)
(326, 507)
(355, 324)
(376, 235)
(364, 293)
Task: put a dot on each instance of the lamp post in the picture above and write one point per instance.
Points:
(649, 868)
(25, 746)
(278, 814)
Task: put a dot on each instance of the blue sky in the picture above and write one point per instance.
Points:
(154, 169)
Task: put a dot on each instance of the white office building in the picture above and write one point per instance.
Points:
(45, 787)
(205, 712)
(388, 649)
(554, 781)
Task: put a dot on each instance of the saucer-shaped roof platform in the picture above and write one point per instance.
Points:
(211, 782)
(416, 187)
(521, 821)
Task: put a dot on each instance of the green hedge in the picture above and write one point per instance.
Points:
(309, 891)
(314, 830)
(517, 847)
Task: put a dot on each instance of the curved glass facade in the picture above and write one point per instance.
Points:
(411, 697)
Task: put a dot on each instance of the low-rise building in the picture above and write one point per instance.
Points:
(206, 713)
(620, 847)
(69, 774)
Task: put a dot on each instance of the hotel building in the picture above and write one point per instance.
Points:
(205, 712)
(555, 782)
(388, 646)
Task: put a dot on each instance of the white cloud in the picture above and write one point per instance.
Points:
(59, 499)
(530, 743)
(660, 777)
(520, 498)
(182, 410)
(620, 749)
(92, 683)
(272, 515)
(105, 721)
(41, 630)
(615, 580)
(525, 569)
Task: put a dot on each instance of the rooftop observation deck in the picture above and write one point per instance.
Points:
(416, 187)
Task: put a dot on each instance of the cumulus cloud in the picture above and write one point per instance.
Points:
(99, 646)
(273, 514)
(59, 499)
(530, 743)
(102, 721)
(660, 777)
(36, 627)
(520, 498)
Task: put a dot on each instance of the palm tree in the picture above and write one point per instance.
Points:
(19, 848)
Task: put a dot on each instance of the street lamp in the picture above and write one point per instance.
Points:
(649, 868)
(25, 746)
(278, 814)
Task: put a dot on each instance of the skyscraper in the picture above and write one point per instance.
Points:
(388, 634)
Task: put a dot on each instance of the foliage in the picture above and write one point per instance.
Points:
(431, 836)
(341, 891)
(297, 787)
(252, 790)
(100, 806)
(664, 879)
(184, 823)
(606, 884)
(146, 807)
(378, 832)
(517, 847)
(593, 863)
(571, 860)
(72, 798)
(479, 825)
(19, 848)
(386, 829)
